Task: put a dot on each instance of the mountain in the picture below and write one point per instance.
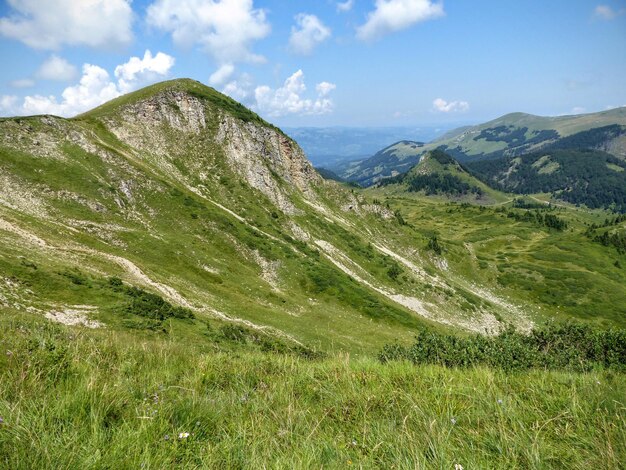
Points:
(510, 135)
(179, 288)
(390, 161)
(175, 206)
(593, 178)
(438, 174)
(519, 133)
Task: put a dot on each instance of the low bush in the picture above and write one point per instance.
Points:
(569, 346)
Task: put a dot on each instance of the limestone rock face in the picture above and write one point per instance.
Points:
(259, 153)
(166, 124)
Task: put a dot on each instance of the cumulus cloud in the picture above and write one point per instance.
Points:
(307, 34)
(241, 89)
(605, 12)
(53, 23)
(578, 110)
(395, 15)
(289, 99)
(226, 29)
(94, 88)
(442, 106)
(323, 89)
(8, 104)
(57, 68)
(345, 6)
(221, 75)
(23, 83)
(137, 72)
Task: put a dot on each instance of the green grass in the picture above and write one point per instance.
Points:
(554, 273)
(71, 398)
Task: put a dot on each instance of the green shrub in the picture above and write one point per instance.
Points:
(569, 346)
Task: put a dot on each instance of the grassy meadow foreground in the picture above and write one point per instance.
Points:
(80, 398)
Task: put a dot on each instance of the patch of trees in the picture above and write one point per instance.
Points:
(591, 139)
(521, 203)
(560, 346)
(581, 178)
(508, 134)
(538, 218)
(438, 183)
(615, 239)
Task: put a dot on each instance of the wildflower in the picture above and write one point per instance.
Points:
(183, 435)
(598, 382)
(354, 442)
(458, 466)
(1, 420)
(499, 401)
(9, 353)
(453, 420)
(197, 423)
(167, 437)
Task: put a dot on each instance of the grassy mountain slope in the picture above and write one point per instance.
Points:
(178, 191)
(438, 174)
(562, 260)
(72, 398)
(517, 133)
(596, 179)
(510, 135)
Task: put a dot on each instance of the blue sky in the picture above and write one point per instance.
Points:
(324, 62)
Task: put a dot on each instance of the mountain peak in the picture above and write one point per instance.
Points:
(174, 90)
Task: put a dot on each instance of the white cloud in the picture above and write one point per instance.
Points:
(323, 89)
(394, 15)
(57, 68)
(138, 71)
(578, 110)
(345, 6)
(310, 32)
(226, 29)
(289, 98)
(8, 104)
(23, 83)
(95, 87)
(221, 75)
(52, 23)
(443, 106)
(241, 89)
(605, 12)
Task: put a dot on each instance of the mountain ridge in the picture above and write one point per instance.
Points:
(509, 135)
(171, 193)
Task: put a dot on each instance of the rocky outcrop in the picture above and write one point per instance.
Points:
(259, 154)
(266, 159)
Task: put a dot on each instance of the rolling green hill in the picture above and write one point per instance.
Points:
(593, 178)
(438, 174)
(508, 136)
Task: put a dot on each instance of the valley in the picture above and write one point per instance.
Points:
(180, 287)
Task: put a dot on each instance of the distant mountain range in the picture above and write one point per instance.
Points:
(330, 146)
(508, 136)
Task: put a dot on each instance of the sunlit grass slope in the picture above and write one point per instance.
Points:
(72, 398)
